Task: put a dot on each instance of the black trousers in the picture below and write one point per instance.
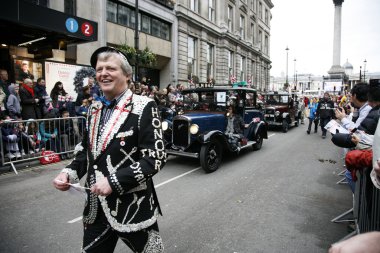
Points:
(315, 124)
(100, 237)
(324, 122)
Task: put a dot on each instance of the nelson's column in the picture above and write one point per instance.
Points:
(336, 71)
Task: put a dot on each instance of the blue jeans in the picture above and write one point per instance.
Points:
(351, 183)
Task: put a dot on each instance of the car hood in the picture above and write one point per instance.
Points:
(205, 121)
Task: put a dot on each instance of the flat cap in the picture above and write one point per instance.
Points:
(94, 56)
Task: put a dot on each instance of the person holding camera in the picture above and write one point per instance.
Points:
(359, 98)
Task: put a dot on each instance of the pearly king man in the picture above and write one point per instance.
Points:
(122, 149)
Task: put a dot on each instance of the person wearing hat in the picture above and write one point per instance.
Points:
(122, 149)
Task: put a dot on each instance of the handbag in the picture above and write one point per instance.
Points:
(49, 157)
(307, 112)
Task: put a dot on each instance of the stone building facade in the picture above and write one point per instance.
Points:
(224, 39)
(207, 39)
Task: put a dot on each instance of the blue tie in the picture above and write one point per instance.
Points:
(106, 102)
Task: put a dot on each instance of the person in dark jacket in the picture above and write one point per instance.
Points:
(325, 112)
(42, 95)
(13, 103)
(234, 128)
(29, 102)
(57, 91)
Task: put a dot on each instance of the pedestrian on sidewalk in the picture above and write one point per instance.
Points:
(121, 150)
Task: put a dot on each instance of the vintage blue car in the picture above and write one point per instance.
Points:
(198, 131)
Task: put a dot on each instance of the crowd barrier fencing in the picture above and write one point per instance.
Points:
(367, 203)
(24, 140)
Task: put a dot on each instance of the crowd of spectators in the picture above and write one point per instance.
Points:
(30, 100)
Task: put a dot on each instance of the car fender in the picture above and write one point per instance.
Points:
(255, 128)
(206, 137)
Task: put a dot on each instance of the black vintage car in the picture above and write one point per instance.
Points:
(281, 109)
(198, 131)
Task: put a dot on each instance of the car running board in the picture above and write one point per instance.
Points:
(249, 144)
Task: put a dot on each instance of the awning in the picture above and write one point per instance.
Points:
(22, 22)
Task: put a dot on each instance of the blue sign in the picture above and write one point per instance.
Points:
(71, 25)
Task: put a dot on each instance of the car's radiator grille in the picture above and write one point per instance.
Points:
(181, 133)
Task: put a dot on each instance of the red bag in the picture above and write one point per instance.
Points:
(48, 157)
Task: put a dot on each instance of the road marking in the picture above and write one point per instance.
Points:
(75, 220)
(174, 178)
(156, 186)
(271, 135)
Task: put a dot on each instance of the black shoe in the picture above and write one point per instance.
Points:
(323, 136)
(308, 131)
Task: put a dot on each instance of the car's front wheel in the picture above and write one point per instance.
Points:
(259, 142)
(285, 126)
(210, 156)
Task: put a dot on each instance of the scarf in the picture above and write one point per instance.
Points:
(30, 90)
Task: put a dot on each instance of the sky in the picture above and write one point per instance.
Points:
(306, 27)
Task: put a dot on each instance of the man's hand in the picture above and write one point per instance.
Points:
(340, 113)
(367, 242)
(60, 182)
(355, 139)
(102, 187)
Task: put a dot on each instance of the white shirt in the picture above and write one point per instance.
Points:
(363, 112)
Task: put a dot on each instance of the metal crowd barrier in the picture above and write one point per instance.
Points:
(24, 140)
(367, 203)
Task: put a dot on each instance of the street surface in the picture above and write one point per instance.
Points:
(278, 199)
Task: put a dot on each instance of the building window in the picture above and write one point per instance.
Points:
(266, 17)
(230, 63)
(260, 40)
(242, 27)
(253, 72)
(230, 17)
(194, 5)
(156, 28)
(70, 7)
(145, 24)
(253, 33)
(260, 10)
(210, 61)
(165, 31)
(125, 15)
(191, 56)
(243, 68)
(266, 45)
(211, 10)
(111, 11)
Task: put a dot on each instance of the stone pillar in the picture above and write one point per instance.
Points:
(336, 68)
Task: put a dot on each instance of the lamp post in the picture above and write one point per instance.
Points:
(365, 63)
(360, 74)
(286, 81)
(294, 76)
(137, 39)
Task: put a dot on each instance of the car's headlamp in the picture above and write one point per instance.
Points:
(165, 125)
(277, 113)
(194, 128)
